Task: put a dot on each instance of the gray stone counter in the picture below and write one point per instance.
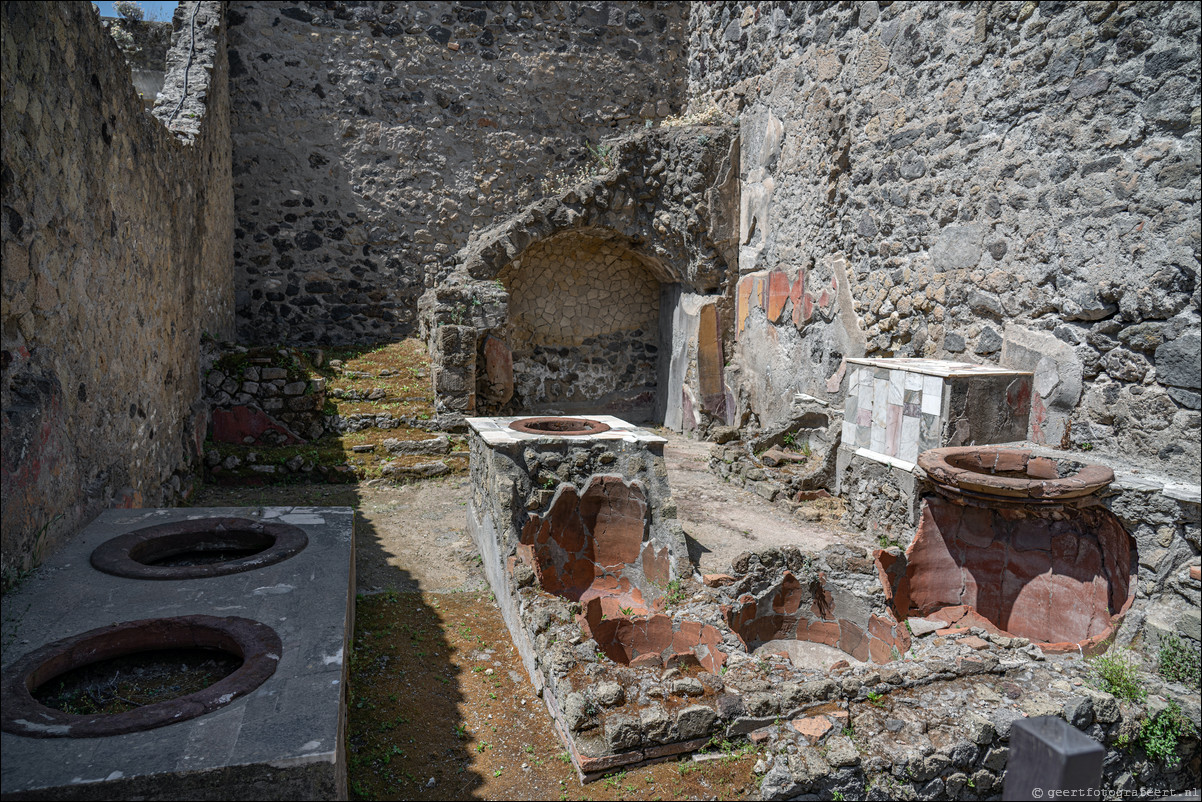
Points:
(284, 740)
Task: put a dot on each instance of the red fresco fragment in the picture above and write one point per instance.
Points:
(1055, 581)
(235, 424)
(778, 295)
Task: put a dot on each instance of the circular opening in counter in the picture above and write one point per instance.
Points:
(197, 549)
(559, 427)
(124, 683)
(255, 647)
(1010, 474)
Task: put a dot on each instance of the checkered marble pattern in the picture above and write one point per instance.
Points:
(897, 407)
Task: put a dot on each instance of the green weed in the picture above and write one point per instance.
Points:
(676, 593)
(1159, 736)
(1117, 672)
(1179, 661)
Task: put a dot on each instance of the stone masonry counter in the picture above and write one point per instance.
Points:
(255, 645)
(283, 739)
(579, 541)
(897, 408)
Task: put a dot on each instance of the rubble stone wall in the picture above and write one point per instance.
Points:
(117, 249)
(371, 139)
(1013, 183)
(667, 204)
(583, 325)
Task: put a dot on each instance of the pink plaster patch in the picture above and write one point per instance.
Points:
(796, 293)
(498, 370)
(235, 424)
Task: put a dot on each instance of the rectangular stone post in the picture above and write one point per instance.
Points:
(1048, 756)
(454, 369)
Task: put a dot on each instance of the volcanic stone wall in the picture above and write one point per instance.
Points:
(664, 214)
(1004, 182)
(117, 248)
(583, 326)
(371, 139)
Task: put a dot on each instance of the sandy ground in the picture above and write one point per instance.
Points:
(722, 520)
(414, 538)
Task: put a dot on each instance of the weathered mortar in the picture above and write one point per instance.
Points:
(117, 242)
(371, 139)
(1011, 182)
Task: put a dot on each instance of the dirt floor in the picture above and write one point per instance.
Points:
(722, 520)
(441, 707)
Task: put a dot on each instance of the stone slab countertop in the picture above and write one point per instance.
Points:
(1126, 475)
(291, 720)
(496, 431)
(937, 367)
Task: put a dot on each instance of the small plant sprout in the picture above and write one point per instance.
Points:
(1117, 672)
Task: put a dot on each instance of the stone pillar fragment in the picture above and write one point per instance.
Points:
(454, 368)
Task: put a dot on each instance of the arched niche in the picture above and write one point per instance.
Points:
(582, 332)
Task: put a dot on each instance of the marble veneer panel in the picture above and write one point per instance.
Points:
(898, 408)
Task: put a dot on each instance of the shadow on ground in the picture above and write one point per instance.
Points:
(404, 724)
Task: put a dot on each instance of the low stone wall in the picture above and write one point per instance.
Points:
(909, 724)
(266, 396)
(793, 462)
(922, 732)
(117, 249)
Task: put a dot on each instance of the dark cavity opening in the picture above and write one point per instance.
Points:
(126, 683)
(559, 426)
(202, 552)
(197, 549)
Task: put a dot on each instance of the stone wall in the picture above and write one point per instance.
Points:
(145, 44)
(372, 139)
(1008, 182)
(583, 326)
(117, 254)
(266, 396)
(665, 205)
